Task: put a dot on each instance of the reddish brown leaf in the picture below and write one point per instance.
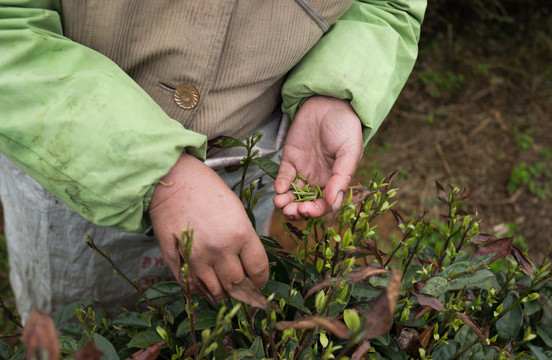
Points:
(441, 193)
(482, 238)
(245, 291)
(361, 350)
(467, 193)
(409, 340)
(428, 300)
(388, 181)
(368, 271)
(468, 321)
(500, 248)
(422, 312)
(334, 326)
(426, 335)
(360, 193)
(379, 318)
(370, 247)
(328, 281)
(88, 352)
(191, 350)
(419, 285)
(524, 264)
(149, 353)
(294, 230)
(399, 219)
(39, 336)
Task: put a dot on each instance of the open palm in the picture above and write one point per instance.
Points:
(324, 144)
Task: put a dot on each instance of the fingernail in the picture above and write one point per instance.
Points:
(337, 204)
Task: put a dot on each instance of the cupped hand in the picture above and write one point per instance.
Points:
(324, 145)
(225, 247)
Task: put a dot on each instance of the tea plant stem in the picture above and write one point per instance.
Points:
(304, 342)
(118, 271)
(12, 316)
(465, 350)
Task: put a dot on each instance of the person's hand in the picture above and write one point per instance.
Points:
(324, 144)
(226, 247)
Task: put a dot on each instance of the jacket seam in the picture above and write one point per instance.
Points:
(314, 14)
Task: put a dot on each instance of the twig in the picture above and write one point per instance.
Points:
(118, 271)
(13, 317)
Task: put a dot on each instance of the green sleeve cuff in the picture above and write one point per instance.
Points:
(366, 58)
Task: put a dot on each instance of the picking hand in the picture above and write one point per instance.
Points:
(226, 247)
(324, 144)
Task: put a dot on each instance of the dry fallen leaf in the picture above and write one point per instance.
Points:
(39, 336)
(379, 318)
(334, 326)
(245, 291)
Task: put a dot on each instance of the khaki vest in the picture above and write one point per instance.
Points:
(235, 54)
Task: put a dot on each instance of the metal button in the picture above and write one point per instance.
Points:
(186, 96)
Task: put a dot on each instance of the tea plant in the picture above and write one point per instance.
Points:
(435, 292)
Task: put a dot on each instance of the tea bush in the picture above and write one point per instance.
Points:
(439, 291)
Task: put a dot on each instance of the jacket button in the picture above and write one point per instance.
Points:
(186, 96)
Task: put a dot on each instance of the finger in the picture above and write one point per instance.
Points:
(314, 209)
(342, 173)
(255, 262)
(280, 201)
(291, 211)
(286, 175)
(209, 277)
(229, 270)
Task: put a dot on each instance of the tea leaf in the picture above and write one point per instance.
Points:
(426, 335)
(268, 166)
(89, 352)
(508, 326)
(379, 318)
(524, 264)
(130, 319)
(544, 331)
(499, 248)
(69, 311)
(205, 319)
(246, 292)
(109, 352)
(144, 339)
(361, 350)
(227, 142)
(352, 320)
(441, 193)
(359, 275)
(428, 300)
(468, 321)
(149, 353)
(334, 326)
(39, 336)
(436, 286)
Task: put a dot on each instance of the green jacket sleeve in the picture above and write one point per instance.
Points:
(77, 124)
(366, 57)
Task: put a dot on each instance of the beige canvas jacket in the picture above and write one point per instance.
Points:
(229, 57)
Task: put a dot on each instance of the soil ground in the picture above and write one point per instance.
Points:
(476, 113)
